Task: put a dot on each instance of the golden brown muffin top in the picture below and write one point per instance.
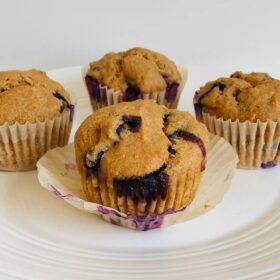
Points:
(30, 96)
(133, 139)
(254, 96)
(147, 70)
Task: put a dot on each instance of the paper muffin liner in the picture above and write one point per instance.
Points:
(256, 143)
(182, 188)
(21, 145)
(58, 173)
(110, 96)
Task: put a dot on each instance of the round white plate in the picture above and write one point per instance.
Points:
(42, 237)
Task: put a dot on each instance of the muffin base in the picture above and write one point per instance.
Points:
(256, 143)
(21, 145)
(181, 189)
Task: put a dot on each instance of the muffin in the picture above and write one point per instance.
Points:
(140, 157)
(245, 109)
(137, 73)
(35, 115)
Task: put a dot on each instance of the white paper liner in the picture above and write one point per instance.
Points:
(21, 145)
(115, 97)
(256, 143)
(58, 174)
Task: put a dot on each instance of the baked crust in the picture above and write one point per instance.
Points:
(145, 69)
(30, 96)
(254, 96)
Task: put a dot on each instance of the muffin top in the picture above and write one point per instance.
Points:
(30, 96)
(254, 96)
(135, 139)
(144, 69)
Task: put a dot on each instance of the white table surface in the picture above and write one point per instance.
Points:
(238, 34)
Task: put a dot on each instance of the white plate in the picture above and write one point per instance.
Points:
(41, 237)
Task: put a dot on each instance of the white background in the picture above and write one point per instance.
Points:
(235, 34)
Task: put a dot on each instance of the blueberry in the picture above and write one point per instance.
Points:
(221, 86)
(187, 136)
(171, 89)
(199, 106)
(165, 118)
(268, 164)
(171, 150)
(132, 93)
(65, 104)
(146, 188)
(132, 123)
(92, 166)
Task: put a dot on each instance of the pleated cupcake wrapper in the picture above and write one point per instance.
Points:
(256, 143)
(182, 188)
(21, 145)
(111, 96)
(58, 173)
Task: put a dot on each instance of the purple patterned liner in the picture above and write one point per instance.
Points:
(59, 194)
(141, 223)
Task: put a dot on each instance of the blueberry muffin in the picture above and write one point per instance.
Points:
(140, 157)
(35, 115)
(134, 74)
(245, 109)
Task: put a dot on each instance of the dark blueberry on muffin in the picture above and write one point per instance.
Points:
(65, 104)
(131, 93)
(146, 188)
(133, 123)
